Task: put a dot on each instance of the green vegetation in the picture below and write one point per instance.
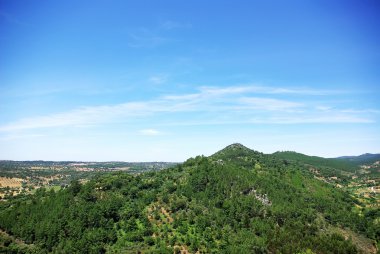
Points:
(357, 175)
(25, 176)
(366, 158)
(235, 201)
(340, 164)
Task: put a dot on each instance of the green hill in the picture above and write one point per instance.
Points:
(366, 158)
(344, 165)
(235, 151)
(235, 201)
(327, 168)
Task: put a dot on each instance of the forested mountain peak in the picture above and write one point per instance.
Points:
(235, 146)
(235, 151)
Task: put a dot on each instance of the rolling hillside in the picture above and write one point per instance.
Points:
(235, 201)
(367, 158)
(336, 163)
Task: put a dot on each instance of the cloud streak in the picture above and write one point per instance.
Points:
(171, 25)
(150, 132)
(146, 40)
(158, 79)
(237, 104)
(335, 118)
(269, 104)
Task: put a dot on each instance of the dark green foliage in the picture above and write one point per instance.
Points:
(339, 164)
(236, 201)
(366, 158)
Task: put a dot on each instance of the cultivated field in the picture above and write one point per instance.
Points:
(10, 182)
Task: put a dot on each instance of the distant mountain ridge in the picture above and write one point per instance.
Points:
(317, 161)
(237, 151)
(366, 158)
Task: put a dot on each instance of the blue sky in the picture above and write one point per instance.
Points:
(167, 80)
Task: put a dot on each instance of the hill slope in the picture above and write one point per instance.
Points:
(345, 165)
(235, 201)
(367, 158)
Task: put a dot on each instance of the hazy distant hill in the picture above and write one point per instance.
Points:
(336, 163)
(235, 201)
(366, 158)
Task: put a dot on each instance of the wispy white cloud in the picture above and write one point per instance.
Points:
(299, 91)
(207, 92)
(150, 132)
(224, 105)
(331, 119)
(219, 91)
(359, 111)
(32, 91)
(146, 39)
(158, 79)
(323, 108)
(170, 25)
(260, 89)
(184, 97)
(151, 37)
(21, 136)
(269, 104)
(80, 117)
